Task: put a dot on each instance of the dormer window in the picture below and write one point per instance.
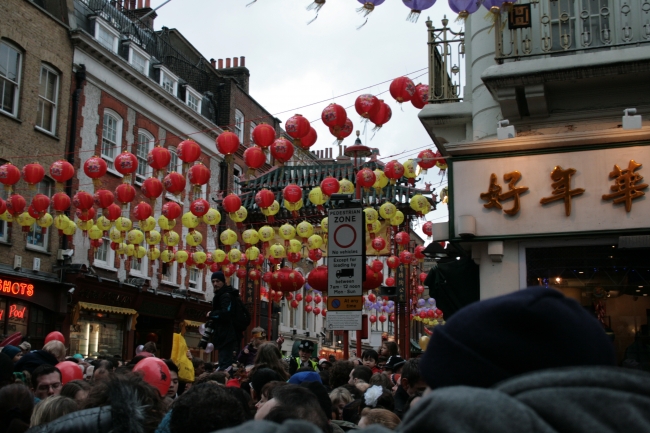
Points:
(193, 99)
(138, 58)
(168, 80)
(106, 34)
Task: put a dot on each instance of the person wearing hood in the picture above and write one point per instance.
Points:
(225, 338)
(13, 352)
(51, 354)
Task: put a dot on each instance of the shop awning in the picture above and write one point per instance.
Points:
(107, 308)
(192, 323)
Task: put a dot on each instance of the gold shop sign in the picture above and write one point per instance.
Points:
(577, 191)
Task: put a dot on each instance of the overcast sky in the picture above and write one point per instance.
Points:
(293, 64)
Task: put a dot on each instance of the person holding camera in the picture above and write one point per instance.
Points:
(225, 337)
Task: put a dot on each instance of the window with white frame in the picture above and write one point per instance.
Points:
(106, 35)
(47, 99)
(139, 59)
(195, 279)
(174, 162)
(139, 266)
(193, 99)
(111, 136)
(168, 81)
(36, 239)
(236, 181)
(239, 125)
(145, 144)
(251, 141)
(104, 255)
(10, 70)
(169, 272)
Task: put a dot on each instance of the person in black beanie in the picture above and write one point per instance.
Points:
(533, 329)
(225, 338)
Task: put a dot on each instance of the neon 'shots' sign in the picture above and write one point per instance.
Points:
(15, 288)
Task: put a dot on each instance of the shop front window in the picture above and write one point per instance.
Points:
(17, 315)
(94, 336)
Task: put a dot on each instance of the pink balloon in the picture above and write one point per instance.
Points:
(69, 371)
(155, 372)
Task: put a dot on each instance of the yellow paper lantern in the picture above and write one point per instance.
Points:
(295, 246)
(153, 253)
(346, 187)
(135, 237)
(84, 225)
(371, 215)
(228, 237)
(272, 210)
(171, 239)
(123, 224)
(304, 229)
(240, 215)
(148, 224)
(266, 233)
(182, 256)
(287, 232)
(122, 248)
(167, 256)
(166, 224)
(250, 237)
(398, 219)
(316, 197)
(375, 227)
(104, 224)
(212, 217)
(139, 252)
(234, 255)
(115, 235)
(6, 216)
(410, 170)
(130, 250)
(252, 253)
(194, 238)
(381, 180)
(45, 221)
(420, 204)
(314, 242)
(277, 251)
(387, 210)
(199, 257)
(60, 221)
(25, 219)
(218, 256)
(324, 225)
(189, 220)
(153, 237)
(95, 233)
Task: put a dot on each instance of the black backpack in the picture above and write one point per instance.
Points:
(241, 317)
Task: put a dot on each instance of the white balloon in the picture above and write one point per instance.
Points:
(210, 348)
(139, 349)
(202, 329)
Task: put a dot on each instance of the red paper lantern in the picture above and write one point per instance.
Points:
(378, 243)
(315, 255)
(267, 277)
(3, 206)
(330, 186)
(317, 299)
(393, 262)
(316, 311)
(288, 296)
(297, 126)
(40, 203)
(83, 200)
(152, 188)
(309, 298)
(263, 135)
(198, 174)
(227, 144)
(391, 318)
(343, 132)
(427, 228)
(308, 308)
(294, 257)
(254, 274)
(402, 89)
(159, 158)
(366, 105)
(231, 203)
(112, 212)
(85, 215)
(171, 210)
(287, 280)
(229, 269)
(254, 159)
(174, 183)
(423, 276)
(373, 280)
(32, 212)
(440, 162)
(419, 252)
(61, 171)
(9, 175)
(103, 198)
(188, 151)
(324, 312)
(142, 211)
(292, 193)
(61, 202)
(95, 167)
(124, 193)
(33, 173)
(382, 318)
(377, 266)
(334, 116)
(126, 163)
(394, 170)
(366, 178)
(264, 198)
(16, 204)
(372, 318)
(402, 238)
(199, 207)
(294, 304)
(282, 150)
(299, 297)
(405, 257)
(317, 279)
(427, 159)
(390, 282)
(308, 140)
(241, 273)
(419, 289)
(382, 116)
(421, 96)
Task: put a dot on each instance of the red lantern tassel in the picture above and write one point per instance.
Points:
(295, 214)
(270, 219)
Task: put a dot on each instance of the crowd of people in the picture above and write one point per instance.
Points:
(530, 361)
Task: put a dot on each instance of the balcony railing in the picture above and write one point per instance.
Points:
(446, 57)
(537, 28)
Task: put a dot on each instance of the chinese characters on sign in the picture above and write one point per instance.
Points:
(494, 197)
(626, 188)
(562, 188)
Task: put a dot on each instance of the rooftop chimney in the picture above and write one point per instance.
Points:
(220, 63)
(228, 63)
(242, 60)
(235, 62)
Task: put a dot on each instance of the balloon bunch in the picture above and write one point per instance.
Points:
(425, 311)
(384, 309)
